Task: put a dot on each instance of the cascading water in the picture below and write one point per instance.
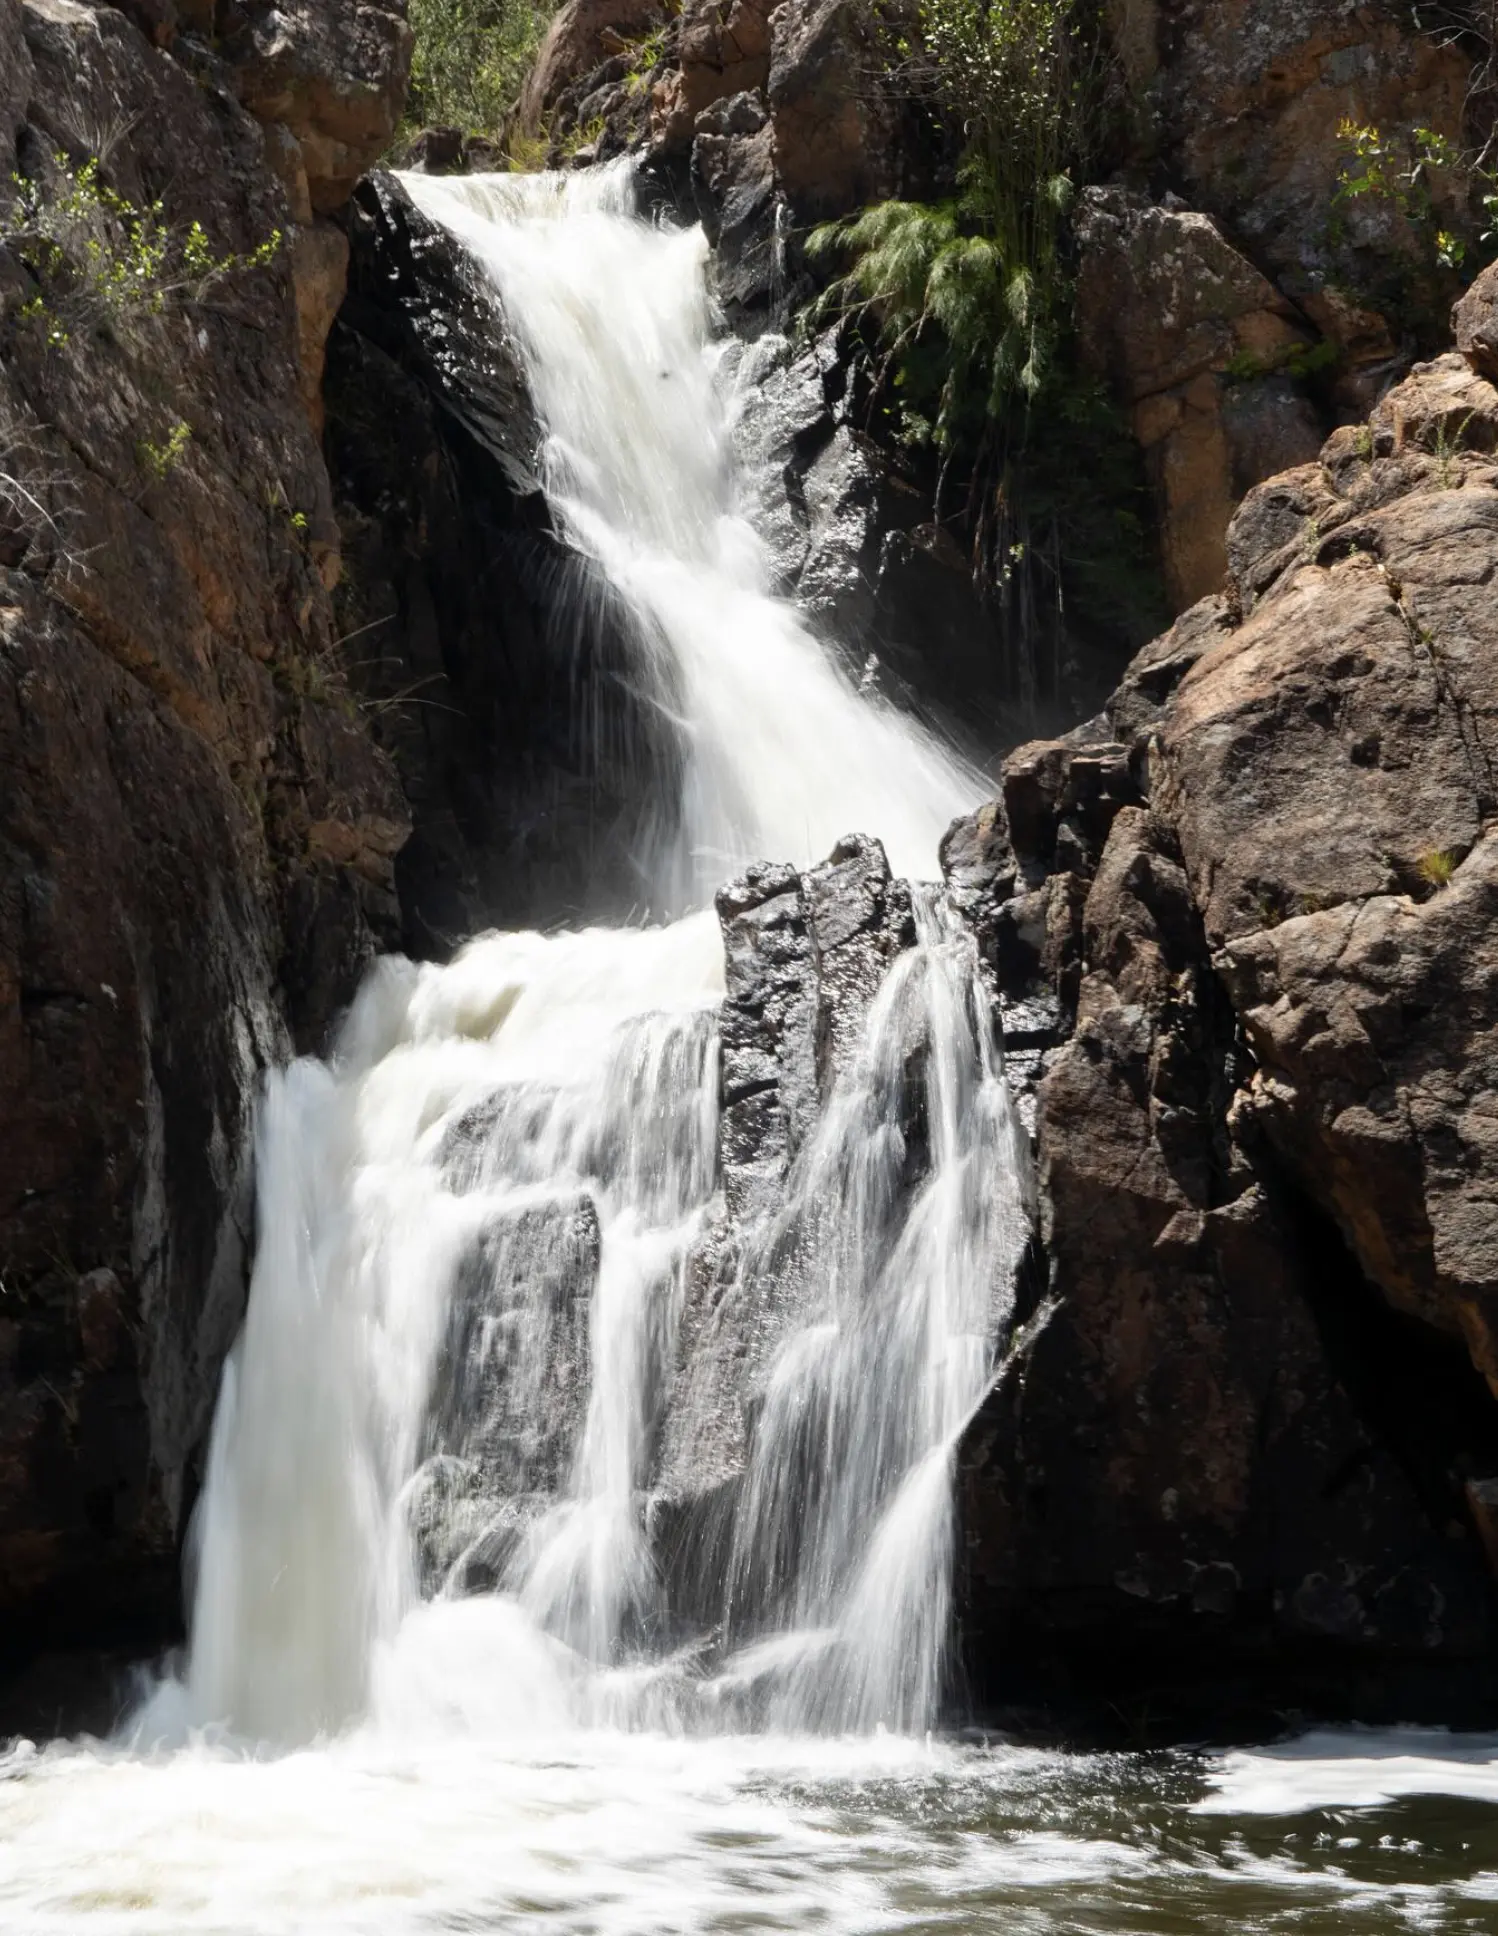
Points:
(478, 1220)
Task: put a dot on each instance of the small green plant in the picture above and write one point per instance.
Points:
(1437, 867)
(1397, 169)
(644, 56)
(1402, 172)
(585, 135)
(160, 460)
(277, 502)
(470, 59)
(1362, 443)
(100, 259)
(527, 153)
(1446, 446)
(1299, 361)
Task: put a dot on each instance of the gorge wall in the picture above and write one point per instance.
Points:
(310, 691)
(196, 827)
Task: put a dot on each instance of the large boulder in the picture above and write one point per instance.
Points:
(834, 124)
(1196, 343)
(334, 75)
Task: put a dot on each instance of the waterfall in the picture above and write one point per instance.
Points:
(436, 1458)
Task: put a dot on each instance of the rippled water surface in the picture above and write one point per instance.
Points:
(610, 1833)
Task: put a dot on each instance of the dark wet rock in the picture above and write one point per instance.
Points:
(768, 1085)
(511, 1379)
(733, 181)
(416, 295)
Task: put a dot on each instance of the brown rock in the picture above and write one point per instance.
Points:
(1156, 1494)
(1321, 749)
(334, 74)
(582, 35)
(833, 127)
(1376, 1034)
(1247, 97)
(724, 50)
(1474, 321)
(319, 258)
(1190, 335)
(157, 19)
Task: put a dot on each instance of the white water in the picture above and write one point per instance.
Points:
(441, 1388)
(781, 757)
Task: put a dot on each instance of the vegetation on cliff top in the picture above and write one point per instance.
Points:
(968, 302)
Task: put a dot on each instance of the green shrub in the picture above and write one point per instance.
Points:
(1438, 867)
(470, 60)
(160, 460)
(967, 306)
(100, 259)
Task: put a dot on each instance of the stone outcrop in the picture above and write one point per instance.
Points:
(1195, 342)
(1242, 103)
(333, 76)
(1242, 1448)
(197, 829)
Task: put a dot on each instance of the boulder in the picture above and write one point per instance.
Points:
(1192, 338)
(333, 74)
(1475, 323)
(834, 126)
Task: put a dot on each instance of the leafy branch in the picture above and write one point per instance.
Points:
(101, 259)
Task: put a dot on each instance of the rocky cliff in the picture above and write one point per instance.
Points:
(196, 826)
(1244, 1450)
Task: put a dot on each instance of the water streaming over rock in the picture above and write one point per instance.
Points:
(443, 1435)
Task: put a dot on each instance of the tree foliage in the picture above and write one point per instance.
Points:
(470, 60)
(969, 304)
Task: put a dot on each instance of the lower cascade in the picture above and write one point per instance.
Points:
(471, 1455)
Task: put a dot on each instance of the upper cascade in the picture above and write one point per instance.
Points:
(779, 753)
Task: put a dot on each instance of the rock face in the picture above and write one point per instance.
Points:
(196, 827)
(333, 76)
(1235, 356)
(1193, 340)
(1241, 1450)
